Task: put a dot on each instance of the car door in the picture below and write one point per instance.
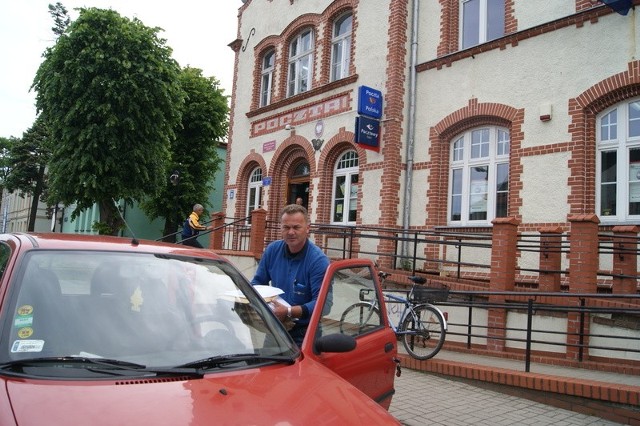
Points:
(351, 303)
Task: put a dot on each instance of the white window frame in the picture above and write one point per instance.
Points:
(266, 77)
(341, 47)
(481, 147)
(254, 192)
(618, 133)
(300, 75)
(481, 21)
(346, 169)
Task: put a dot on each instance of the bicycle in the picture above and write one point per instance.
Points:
(421, 326)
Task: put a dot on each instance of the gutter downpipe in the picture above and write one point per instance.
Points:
(406, 219)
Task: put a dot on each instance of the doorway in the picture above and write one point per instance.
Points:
(298, 186)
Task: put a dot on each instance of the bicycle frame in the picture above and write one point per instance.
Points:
(408, 309)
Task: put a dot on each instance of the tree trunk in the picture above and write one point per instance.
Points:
(170, 229)
(110, 218)
(35, 200)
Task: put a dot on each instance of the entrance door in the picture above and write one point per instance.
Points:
(298, 187)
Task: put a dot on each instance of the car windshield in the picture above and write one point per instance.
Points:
(144, 309)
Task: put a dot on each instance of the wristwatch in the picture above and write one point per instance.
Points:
(289, 312)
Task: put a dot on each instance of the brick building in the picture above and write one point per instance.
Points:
(490, 109)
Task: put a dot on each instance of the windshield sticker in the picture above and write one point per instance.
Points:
(27, 346)
(23, 321)
(25, 310)
(25, 332)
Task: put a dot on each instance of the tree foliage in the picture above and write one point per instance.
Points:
(29, 157)
(60, 17)
(109, 92)
(5, 159)
(194, 155)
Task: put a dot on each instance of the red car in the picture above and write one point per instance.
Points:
(107, 330)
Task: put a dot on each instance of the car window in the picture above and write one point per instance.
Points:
(142, 308)
(352, 305)
(5, 254)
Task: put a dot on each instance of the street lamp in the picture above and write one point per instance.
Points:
(175, 178)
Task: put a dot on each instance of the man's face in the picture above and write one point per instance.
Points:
(295, 230)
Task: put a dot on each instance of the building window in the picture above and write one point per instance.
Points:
(482, 21)
(266, 81)
(300, 63)
(254, 197)
(618, 163)
(345, 189)
(341, 47)
(479, 178)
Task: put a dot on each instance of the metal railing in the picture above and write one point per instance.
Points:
(457, 254)
(615, 319)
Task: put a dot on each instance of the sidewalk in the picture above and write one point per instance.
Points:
(613, 396)
(428, 399)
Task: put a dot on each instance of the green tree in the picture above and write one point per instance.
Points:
(5, 159)
(110, 93)
(27, 173)
(60, 17)
(193, 152)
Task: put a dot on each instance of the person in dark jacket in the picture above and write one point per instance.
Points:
(192, 227)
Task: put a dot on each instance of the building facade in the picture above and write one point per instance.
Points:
(489, 109)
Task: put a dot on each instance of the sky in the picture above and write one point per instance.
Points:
(198, 32)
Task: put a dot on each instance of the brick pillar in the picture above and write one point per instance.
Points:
(625, 246)
(258, 229)
(583, 269)
(550, 259)
(583, 253)
(215, 242)
(504, 243)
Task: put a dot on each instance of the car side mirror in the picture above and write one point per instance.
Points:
(335, 343)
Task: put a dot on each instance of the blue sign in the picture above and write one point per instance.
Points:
(266, 181)
(368, 132)
(369, 102)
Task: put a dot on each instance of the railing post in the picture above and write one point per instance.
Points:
(583, 253)
(625, 256)
(504, 244)
(583, 278)
(258, 232)
(550, 259)
(217, 220)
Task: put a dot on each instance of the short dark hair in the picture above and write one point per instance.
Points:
(295, 208)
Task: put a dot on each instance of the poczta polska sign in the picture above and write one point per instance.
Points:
(368, 123)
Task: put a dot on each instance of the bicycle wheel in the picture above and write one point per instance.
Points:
(423, 332)
(358, 318)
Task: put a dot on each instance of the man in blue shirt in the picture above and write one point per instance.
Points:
(296, 266)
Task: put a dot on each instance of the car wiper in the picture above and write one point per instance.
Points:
(43, 361)
(222, 360)
(107, 366)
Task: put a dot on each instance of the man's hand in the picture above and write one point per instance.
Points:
(279, 310)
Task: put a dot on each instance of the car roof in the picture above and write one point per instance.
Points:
(28, 241)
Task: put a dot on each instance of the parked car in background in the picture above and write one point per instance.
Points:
(108, 330)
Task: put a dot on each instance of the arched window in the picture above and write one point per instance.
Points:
(341, 47)
(300, 63)
(254, 196)
(266, 81)
(618, 162)
(479, 176)
(345, 189)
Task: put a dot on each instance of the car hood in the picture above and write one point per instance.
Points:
(304, 393)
